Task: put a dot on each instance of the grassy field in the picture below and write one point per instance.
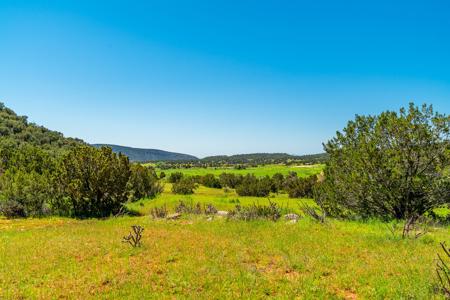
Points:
(270, 170)
(194, 258)
(221, 199)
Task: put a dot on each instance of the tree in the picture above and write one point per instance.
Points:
(389, 166)
(92, 182)
(209, 180)
(185, 186)
(143, 183)
(175, 177)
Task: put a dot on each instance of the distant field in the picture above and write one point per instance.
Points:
(218, 197)
(55, 258)
(302, 170)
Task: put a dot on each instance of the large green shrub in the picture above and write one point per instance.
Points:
(389, 166)
(185, 186)
(92, 182)
(143, 183)
(253, 186)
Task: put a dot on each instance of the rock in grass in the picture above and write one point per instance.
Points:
(222, 213)
(174, 216)
(292, 217)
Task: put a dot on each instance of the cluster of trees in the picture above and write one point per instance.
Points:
(248, 185)
(390, 166)
(81, 182)
(242, 161)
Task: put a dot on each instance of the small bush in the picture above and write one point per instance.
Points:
(12, 209)
(210, 209)
(175, 177)
(253, 186)
(254, 212)
(230, 180)
(134, 237)
(185, 186)
(188, 208)
(159, 212)
(143, 183)
(298, 187)
(211, 181)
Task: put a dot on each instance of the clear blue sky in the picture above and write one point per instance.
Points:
(220, 77)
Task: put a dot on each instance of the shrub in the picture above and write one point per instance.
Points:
(277, 182)
(92, 182)
(209, 180)
(230, 180)
(143, 183)
(12, 209)
(253, 212)
(25, 194)
(159, 212)
(389, 166)
(253, 186)
(134, 237)
(298, 187)
(188, 208)
(175, 177)
(210, 209)
(185, 186)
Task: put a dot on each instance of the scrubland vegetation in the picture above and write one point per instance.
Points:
(367, 223)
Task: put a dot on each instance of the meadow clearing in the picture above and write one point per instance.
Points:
(194, 257)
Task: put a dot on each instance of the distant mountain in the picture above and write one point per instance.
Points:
(144, 155)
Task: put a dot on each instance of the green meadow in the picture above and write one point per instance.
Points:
(198, 258)
(269, 170)
(192, 258)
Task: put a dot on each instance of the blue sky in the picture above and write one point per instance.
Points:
(220, 77)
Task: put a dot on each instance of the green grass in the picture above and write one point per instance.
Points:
(270, 170)
(197, 259)
(218, 197)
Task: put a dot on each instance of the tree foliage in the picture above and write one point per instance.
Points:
(92, 182)
(389, 166)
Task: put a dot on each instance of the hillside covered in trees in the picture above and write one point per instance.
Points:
(15, 130)
(145, 155)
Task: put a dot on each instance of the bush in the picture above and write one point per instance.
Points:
(188, 208)
(92, 182)
(175, 177)
(253, 186)
(277, 182)
(255, 212)
(159, 212)
(12, 209)
(143, 183)
(298, 187)
(209, 180)
(230, 180)
(29, 191)
(389, 166)
(185, 186)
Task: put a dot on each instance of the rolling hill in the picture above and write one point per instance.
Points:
(145, 155)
